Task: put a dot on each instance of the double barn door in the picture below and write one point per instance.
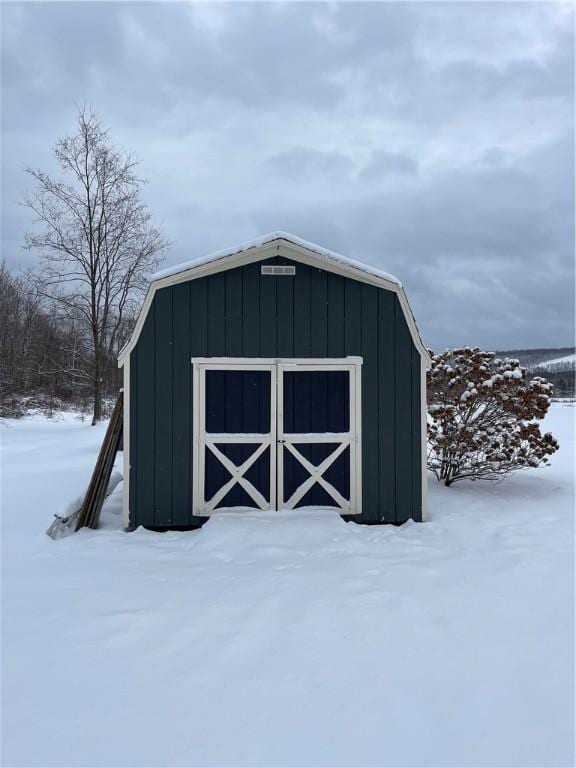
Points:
(276, 435)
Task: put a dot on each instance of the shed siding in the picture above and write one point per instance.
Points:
(241, 313)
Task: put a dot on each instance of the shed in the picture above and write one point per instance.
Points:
(274, 375)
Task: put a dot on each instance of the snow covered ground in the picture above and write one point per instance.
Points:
(286, 640)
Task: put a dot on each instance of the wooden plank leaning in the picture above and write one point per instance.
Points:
(87, 512)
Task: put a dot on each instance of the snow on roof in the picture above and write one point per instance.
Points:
(263, 240)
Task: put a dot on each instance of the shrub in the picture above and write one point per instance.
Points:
(483, 417)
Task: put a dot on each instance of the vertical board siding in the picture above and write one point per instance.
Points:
(403, 420)
(268, 316)
(142, 407)
(285, 310)
(234, 312)
(386, 405)
(251, 310)
(216, 310)
(417, 468)
(336, 316)
(370, 395)
(182, 406)
(302, 318)
(353, 312)
(198, 317)
(318, 313)
(241, 313)
(163, 399)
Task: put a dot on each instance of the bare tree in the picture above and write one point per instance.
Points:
(96, 242)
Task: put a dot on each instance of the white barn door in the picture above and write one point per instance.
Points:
(317, 444)
(277, 434)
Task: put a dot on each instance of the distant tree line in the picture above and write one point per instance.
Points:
(564, 381)
(46, 357)
(536, 357)
(562, 374)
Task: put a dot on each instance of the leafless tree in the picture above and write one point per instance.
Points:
(95, 239)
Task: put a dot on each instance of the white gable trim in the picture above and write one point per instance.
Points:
(289, 250)
(265, 240)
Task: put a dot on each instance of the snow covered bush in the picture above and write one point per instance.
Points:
(483, 416)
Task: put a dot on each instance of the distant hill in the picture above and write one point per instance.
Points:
(542, 358)
(558, 365)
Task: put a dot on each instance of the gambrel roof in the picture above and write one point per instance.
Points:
(265, 247)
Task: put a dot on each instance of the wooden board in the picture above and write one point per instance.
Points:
(96, 493)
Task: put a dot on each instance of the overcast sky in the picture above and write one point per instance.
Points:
(433, 140)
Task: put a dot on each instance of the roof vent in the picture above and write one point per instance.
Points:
(277, 270)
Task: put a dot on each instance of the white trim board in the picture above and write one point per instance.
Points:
(321, 363)
(126, 447)
(424, 441)
(290, 249)
(265, 239)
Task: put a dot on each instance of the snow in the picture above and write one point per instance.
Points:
(326, 254)
(566, 360)
(286, 639)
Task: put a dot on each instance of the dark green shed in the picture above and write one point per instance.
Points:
(274, 375)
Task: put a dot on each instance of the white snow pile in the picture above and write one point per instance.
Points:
(286, 639)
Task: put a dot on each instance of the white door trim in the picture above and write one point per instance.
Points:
(325, 363)
(275, 439)
(340, 440)
(203, 441)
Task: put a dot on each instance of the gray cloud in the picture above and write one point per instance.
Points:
(383, 163)
(433, 140)
(305, 163)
